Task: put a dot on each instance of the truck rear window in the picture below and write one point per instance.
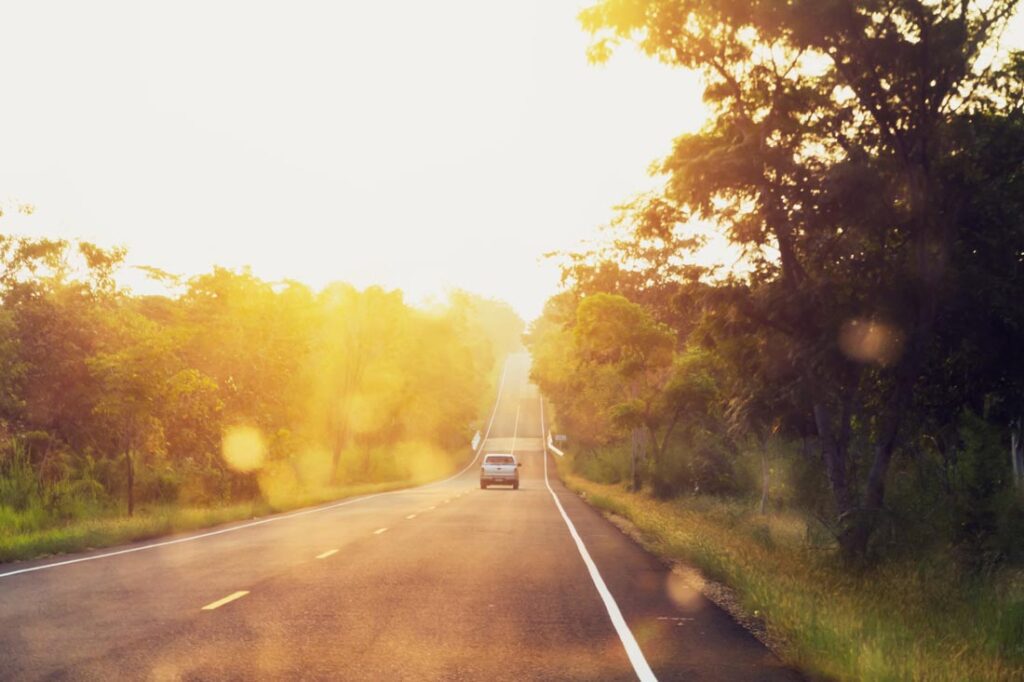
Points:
(499, 459)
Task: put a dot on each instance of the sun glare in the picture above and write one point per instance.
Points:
(361, 142)
(366, 340)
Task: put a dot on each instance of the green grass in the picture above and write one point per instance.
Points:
(155, 521)
(904, 621)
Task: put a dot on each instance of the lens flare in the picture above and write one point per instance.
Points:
(244, 448)
(871, 341)
(683, 587)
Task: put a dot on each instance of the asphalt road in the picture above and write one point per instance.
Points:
(445, 581)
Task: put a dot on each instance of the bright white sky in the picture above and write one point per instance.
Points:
(420, 145)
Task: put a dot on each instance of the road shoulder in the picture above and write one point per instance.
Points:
(682, 632)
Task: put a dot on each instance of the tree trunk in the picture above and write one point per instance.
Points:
(892, 414)
(338, 444)
(634, 457)
(130, 460)
(1017, 452)
(855, 527)
(891, 421)
(339, 431)
(659, 447)
(833, 453)
(765, 477)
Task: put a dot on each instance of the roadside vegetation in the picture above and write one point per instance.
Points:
(108, 526)
(829, 417)
(124, 417)
(906, 619)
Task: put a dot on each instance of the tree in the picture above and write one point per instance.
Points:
(101, 390)
(580, 397)
(821, 161)
(132, 384)
(614, 334)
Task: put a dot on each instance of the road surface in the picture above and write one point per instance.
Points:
(446, 582)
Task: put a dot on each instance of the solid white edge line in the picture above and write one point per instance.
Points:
(636, 656)
(272, 519)
(515, 430)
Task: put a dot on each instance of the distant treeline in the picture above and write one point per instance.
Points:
(864, 358)
(235, 389)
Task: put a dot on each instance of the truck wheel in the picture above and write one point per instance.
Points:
(483, 486)
(515, 486)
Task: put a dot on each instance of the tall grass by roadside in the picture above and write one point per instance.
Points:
(899, 621)
(109, 528)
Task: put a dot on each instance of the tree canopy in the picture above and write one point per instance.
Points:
(137, 399)
(863, 158)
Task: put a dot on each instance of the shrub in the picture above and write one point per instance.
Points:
(19, 487)
(984, 501)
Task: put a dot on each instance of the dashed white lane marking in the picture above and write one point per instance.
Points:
(636, 656)
(411, 516)
(379, 531)
(330, 552)
(446, 502)
(430, 509)
(221, 602)
(273, 519)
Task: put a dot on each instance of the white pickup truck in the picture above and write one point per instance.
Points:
(500, 469)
